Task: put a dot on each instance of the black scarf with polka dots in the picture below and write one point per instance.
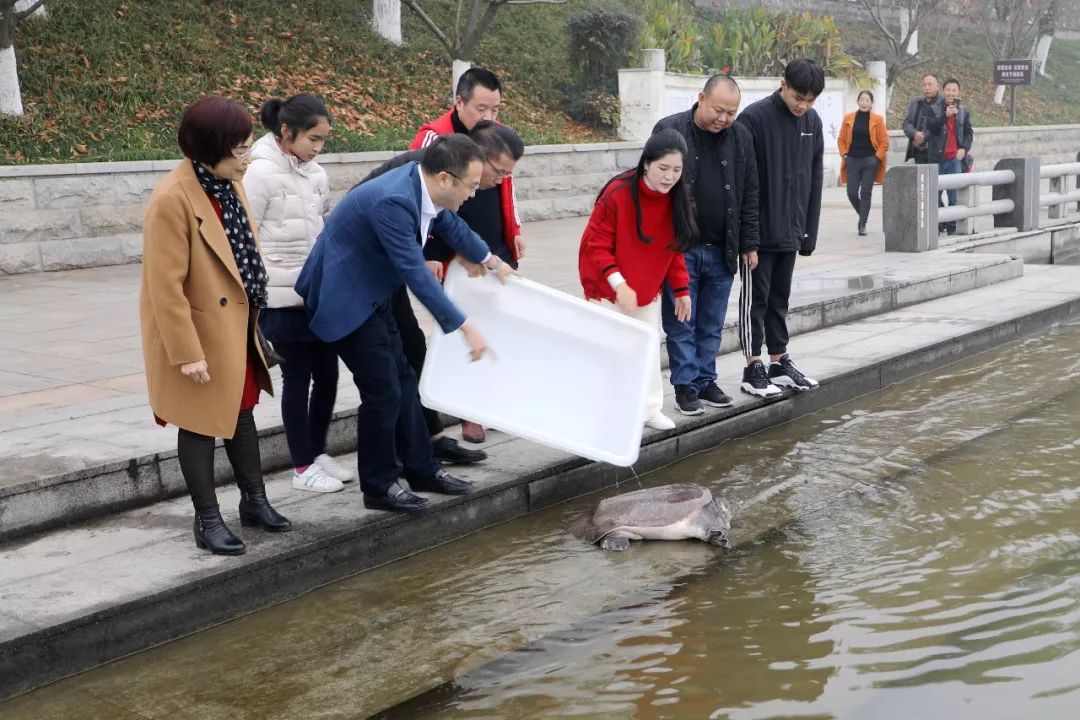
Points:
(238, 231)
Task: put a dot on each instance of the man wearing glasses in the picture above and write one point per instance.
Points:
(492, 213)
(369, 247)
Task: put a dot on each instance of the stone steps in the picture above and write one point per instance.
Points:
(86, 594)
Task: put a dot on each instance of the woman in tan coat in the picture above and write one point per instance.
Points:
(202, 286)
(863, 143)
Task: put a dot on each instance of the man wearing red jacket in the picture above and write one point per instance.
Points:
(491, 213)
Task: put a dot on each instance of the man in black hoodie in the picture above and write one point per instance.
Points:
(789, 145)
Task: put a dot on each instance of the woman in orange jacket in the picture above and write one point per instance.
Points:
(863, 144)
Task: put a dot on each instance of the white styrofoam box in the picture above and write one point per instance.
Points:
(562, 372)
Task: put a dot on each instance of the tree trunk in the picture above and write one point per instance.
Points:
(460, 66)
(40, 13)
(386, 20)
(1042, 52)
(10, 96)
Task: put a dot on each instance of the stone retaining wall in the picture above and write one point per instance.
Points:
(66, 216)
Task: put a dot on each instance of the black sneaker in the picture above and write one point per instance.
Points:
(755, 381)
(713, 396)
(783, 372)
(686, 399)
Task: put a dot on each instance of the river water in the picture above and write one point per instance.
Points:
(911, 554)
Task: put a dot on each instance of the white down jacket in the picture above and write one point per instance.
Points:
(289, 200)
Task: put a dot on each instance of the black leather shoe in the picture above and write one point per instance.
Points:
(396, 499)
(442, 482)
(211, 533)
(256, 511)
(449, 450)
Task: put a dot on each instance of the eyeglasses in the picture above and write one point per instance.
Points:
(241, 152)
(500, 174)
(475, 186)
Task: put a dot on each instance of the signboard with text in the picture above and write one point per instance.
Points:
(1012, 72)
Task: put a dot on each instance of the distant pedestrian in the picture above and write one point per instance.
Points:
(864, 145)
(721, 175)
(289, 195)
(203, 283)
(790, 145)
(959, 137)
(924, 123)
(641, 223)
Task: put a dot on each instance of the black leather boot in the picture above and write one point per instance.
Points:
(211, 533)
(256, 511)
(243, 452)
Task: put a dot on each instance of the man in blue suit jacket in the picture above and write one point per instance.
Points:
(372, 245)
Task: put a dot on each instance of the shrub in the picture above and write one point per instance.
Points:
(602, 40)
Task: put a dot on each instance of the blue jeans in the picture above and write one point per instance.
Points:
(692, 346)
(950, 167)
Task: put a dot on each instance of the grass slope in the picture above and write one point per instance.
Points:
(107, 80)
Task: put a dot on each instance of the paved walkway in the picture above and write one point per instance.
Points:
(72, 391)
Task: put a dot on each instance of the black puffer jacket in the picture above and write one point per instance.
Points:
(789, 159)
(740, 183)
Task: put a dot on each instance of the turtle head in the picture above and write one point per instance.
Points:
(718, 533)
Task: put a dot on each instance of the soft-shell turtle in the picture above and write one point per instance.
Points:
(668, 512)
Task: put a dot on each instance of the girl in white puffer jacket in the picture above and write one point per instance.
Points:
(289, 196)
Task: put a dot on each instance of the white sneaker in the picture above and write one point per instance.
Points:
(335, 469)
(660, 421)
(315, 479)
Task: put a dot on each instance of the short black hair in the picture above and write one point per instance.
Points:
(805, 77)
(929, 74)
(472, 77)
(211, 127)
(298, 113)
(868, 93)
(951, 81)
(715, 80)
(513, 141)
(487, 139)
(451, 154)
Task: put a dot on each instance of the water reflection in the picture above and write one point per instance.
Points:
(912, 554)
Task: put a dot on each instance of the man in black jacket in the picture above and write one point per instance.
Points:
(958, 136)
(721, 174)
(924, 123)
(789, 144)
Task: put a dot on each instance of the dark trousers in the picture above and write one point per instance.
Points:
(309, 376)
(389, 424)
(860, 184)
(196, 455)
(414, 344)
(771, 281)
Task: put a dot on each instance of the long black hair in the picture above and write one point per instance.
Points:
(298, 113)
(662, 143)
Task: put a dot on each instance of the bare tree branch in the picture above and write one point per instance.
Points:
(415, 7)
(23, 14)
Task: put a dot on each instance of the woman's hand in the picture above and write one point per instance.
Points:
(682, 308)
(197, 372)
(626, 299)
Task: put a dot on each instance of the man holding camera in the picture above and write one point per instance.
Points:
(924, 123)
(958, 137)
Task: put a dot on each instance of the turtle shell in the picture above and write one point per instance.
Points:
(651, 507)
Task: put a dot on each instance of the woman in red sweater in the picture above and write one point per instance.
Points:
(639, 227)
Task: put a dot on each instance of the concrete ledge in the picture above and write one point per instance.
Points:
(47, 502)
(158, 588)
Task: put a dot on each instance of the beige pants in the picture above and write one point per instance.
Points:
(650, 315)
